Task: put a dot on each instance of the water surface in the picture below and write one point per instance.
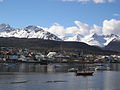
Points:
(42, 77)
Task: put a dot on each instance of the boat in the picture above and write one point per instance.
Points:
(85, 70)
(102, 68)
(84, 73)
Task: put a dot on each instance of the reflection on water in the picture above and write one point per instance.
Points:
(35, 67)
(32, 67)
(16, 77)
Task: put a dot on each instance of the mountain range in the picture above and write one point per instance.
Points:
(37, 32)
(92, 39)
(28, 32)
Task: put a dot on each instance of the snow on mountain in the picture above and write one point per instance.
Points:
(114, 45)
(116, 39)
(99, 40)
(109, 38)
(72, 37)
(27, 32)
(92, 39)
(37, 32)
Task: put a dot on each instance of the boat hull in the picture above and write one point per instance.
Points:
(84, 73)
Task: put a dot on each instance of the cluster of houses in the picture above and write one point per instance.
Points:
(26, 55)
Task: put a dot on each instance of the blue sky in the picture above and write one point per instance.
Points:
(21, 13)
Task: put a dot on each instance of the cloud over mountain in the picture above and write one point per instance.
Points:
(79, 28)
(111, 27)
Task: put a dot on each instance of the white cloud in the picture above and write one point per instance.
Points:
(83, 28)
(1, 0)
(96, 29)
(102, 1)
(116, 14)
(111, 27)
(95, 1)
(72, 30)
(78, 28)
(75, 0)
(56, 29)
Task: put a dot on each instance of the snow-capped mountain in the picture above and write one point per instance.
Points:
(27, 32)
(72, 37)
(99, 40)
(92, 39)
(37, 32)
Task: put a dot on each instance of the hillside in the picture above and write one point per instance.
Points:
(50, 45)
(114, 45)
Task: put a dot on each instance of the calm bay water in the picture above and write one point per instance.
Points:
(26, 76)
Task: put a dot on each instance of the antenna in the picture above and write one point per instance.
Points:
(61, 47)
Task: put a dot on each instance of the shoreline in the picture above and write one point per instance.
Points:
(56, 62)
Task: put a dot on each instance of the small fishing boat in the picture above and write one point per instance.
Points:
(84, 73)
(85, 70)
(102, 68)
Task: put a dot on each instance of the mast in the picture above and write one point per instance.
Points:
(61, 50)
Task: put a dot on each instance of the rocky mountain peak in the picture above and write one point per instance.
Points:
(5, 28)
(33, 28)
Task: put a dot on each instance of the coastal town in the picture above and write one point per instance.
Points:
(10, 54)
(59, 44)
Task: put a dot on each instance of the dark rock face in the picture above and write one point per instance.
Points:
(114, 45)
